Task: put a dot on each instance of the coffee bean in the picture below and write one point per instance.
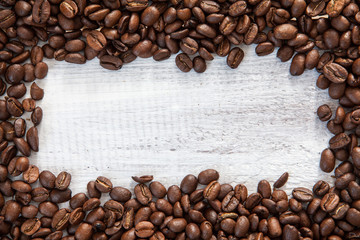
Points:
(282, 180)
(103, 184)
(111, 62)
(285, 31)
(327, 161)
(69, 8)
(183, 62)
(143, 194)
(36, 116)
(339, 141)
(96, 40)
(30, 226)
(335, 72)
(144, 229)
(63, 180)
(302, 194)
(264, 48)
(36, 92)
(235, 57)
(298, 64)
(199, 64)
(329, 202)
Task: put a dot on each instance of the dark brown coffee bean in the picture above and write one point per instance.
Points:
(285, 31)
(264, 48)
(103, 184)
(329, 202)
(17, 91)
(36, 116)
(327, 160)
(57, 196)
(36, 92)
(143, 194)
(14, 107)
(282, 180)
(69, 8)
(183, 62)
(144, 229)
(48, 209)
(30, 226)
(235, 57)
(60, 219)
(111, 62)
(302, 194)
(335, 73)
(324, 112)
(298, 64)
(62, 181)
(339, 141)
(199, 64)
(96, 40)
(143, 49)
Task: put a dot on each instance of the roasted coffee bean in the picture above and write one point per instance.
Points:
(96, 40)
(302, 194)
(63, 180)
(36, 116)
(285, 31)
(183, 62)
(103, 184)
(199, 64)
(14, 107)
(298, 64)
(235, 57)
(327, 160)
(329, 202)
(36, 92)
(282, 180)
(335, 72)
(30, 226)
(143, 194)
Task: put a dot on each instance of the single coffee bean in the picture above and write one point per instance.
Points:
(60, 219)
(335, 72)
(183, 62)
(62, 181)
(235, 57)
(30, 226)
(281, 180)
(302, 194)
(298, 64)
(111, 62)
(36, 116)
(14, 107)
(143, 179)
(36, 92)
(103, 184)
(327, 160)
(199, 64)
(285, 31)
(339, 141)
(329, 202)
(96, 40)
(143, 194)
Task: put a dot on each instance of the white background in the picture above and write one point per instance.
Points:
(251, 123)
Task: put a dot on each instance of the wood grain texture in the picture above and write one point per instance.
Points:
(251, 123)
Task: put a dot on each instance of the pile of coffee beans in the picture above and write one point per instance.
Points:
(316, 34)
(198, 208)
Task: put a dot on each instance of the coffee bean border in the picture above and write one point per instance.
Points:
(316, 34)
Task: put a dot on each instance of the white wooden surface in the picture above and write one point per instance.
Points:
(251, 123)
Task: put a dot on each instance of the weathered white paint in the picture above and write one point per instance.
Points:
(251, 123)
